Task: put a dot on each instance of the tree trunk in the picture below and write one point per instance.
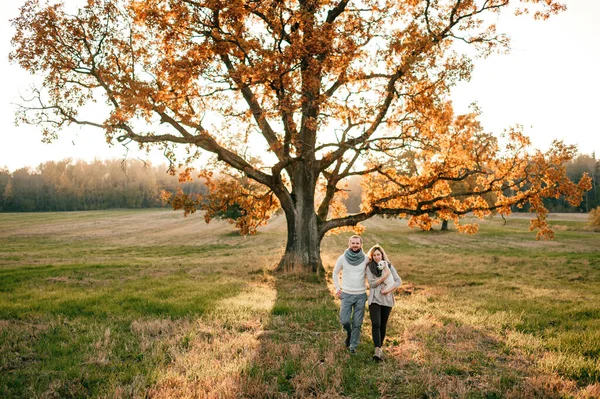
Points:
(303, 248)
(444, 225)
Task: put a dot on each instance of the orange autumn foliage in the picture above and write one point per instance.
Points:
(236, 199)
(512, 175)
(291, 98)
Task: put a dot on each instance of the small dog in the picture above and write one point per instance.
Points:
(389, 281)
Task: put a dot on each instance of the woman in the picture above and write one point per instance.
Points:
(381, 297)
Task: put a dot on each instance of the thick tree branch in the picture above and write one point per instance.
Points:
(253, 104)
(336, 11)
(420, 209)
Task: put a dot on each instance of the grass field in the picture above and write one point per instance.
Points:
(121, 304)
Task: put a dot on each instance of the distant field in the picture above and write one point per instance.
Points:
(121, 304)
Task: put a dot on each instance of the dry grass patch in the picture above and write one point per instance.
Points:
(577, 367)
(155, 332)
(207, 363)
(209, 355)
(101, 350)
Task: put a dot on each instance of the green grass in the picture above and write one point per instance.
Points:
(149, 304)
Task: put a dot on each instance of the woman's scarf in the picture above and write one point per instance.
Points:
(372, 265)
(354, 258)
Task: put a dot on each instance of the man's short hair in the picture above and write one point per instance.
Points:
(356, 236)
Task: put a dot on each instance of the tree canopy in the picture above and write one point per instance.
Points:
(297, 96)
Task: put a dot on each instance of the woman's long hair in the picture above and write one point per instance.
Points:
(372, 264)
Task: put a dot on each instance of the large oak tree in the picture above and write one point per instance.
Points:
(294, 96)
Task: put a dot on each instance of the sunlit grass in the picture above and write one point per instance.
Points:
(148, 304)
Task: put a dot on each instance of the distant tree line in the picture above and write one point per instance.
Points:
(76, 186)
(104, 184)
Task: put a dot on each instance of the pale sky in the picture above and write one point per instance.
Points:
(549, 83)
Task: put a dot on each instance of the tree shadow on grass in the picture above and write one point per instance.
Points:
(301, 344)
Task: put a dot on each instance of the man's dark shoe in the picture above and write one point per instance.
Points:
(352, 350)
(347, 341)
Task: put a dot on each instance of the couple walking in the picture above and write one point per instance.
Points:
(383, 280)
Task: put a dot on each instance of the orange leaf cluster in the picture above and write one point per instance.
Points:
(238, 200)
(462, 171)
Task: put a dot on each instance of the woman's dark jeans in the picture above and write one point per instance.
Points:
(379, 318)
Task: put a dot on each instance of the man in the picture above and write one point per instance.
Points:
(352, 292)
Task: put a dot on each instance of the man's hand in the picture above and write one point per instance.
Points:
(339, 294)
